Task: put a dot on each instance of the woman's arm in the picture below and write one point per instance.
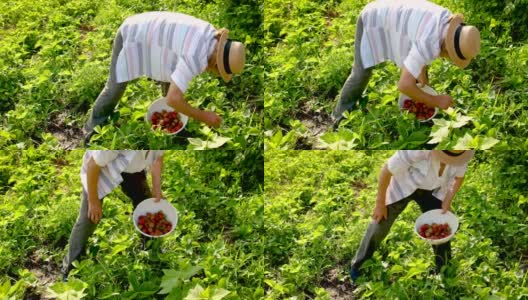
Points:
(446, 204)
(95, 210)
(176, 100)
(423, 79)
(155, 170)
(380, 212)
(407, 85)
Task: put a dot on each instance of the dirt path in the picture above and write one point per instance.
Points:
(46, 272)
(338, 288)
(68, 135)
(317, 122)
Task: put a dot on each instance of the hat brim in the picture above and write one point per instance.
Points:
(220, 56)
(454, 22)
(454, 160)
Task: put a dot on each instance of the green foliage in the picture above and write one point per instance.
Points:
(310, 48)
(73, 289)
(319, 204)
(216, 245)
(55, 63)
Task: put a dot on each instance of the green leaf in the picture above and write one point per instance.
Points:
(219, 294)
(118, 248)
(73, 289)
(195, 293)
(439, 135)
(133, 281)
(488, 143)
(174, 279)
(396, 269)
(198, 293)
(460, 121)
(215, 142)
(344, 139)
(464, 142)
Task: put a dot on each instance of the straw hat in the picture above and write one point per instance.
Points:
(453, 158)
(230, 56)
(462, 41)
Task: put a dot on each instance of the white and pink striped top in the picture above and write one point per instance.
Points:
(418, 169)
(406, 32)
(115, 162)
(164, 46)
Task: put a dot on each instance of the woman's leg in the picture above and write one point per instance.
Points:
(427, 202)
(82, 230)
(109, 96)
(376, 233)
(135, 186)
(356, 81)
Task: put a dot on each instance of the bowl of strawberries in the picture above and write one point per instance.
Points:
(422, 112)
(155, 219)
(435, 227)
(161, 116)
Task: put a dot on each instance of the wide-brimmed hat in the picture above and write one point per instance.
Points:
(462, 41)
(230, 56)
(453, 158)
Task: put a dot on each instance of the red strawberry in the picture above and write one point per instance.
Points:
(154, 223)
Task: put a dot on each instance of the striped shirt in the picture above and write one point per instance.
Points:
(164, 46)
(418, 169)
(113, 163)
(406, 32)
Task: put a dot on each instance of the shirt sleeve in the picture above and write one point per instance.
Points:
(192, 62)
(422, 53)
(461, 170)
(103, 157)
(183, 74)
(402, 160)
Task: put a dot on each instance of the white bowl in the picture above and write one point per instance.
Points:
(149, 206)
(429, 90)
(159, 105)
(436, 216)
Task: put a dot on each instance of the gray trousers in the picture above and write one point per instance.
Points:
(112, 92)
(376, 233)
(357, 80)
(134, 185)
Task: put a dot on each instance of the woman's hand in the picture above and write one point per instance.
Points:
(444, 101)
(211, 119)
(380, 213)
(446, 206)
(95, 210)
(158, 197)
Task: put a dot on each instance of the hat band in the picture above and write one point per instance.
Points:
(457, 41)
(227, 47)
(452, 153)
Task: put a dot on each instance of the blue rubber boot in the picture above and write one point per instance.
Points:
(354, 274)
